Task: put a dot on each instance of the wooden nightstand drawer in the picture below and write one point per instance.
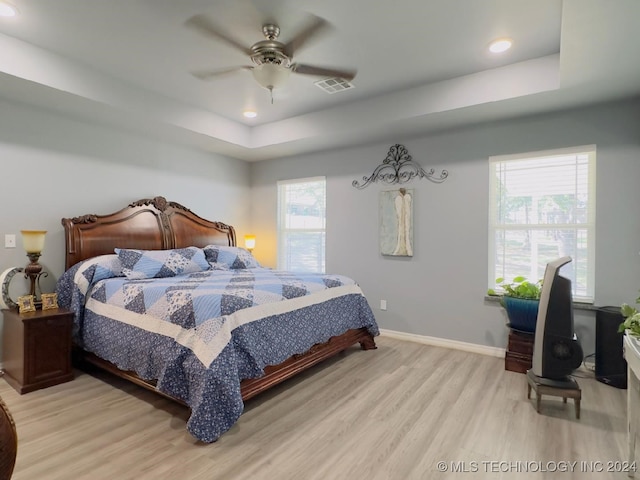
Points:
(37, 348)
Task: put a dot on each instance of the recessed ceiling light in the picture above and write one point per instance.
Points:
(7, 10)
(250, 114)
(500, 45)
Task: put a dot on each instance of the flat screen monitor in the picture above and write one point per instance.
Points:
(556, 350)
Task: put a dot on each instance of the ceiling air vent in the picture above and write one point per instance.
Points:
(334, 85)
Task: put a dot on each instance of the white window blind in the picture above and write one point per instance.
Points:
(542, 207)
(301, 224)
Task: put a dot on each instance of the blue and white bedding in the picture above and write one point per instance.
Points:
(199, 334)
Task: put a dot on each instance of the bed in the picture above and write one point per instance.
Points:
(207, 333)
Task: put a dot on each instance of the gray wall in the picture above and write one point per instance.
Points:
(440, 291)
(55, 166)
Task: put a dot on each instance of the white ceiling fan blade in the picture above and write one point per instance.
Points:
(203, 25)
(312, 29)
(346, 74)
(209, 74)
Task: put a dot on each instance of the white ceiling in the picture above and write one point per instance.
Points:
(422, 66)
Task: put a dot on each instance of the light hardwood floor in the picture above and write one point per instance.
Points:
(392, 413)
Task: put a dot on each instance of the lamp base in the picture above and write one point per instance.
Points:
(34, 280)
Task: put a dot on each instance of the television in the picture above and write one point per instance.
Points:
(556, 349)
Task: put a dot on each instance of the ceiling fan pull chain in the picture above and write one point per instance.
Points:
(271, 92)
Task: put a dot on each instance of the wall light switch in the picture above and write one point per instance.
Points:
(383, 304)
(9, 240)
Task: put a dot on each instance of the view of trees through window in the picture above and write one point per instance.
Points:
(301, 225)
(543, 208)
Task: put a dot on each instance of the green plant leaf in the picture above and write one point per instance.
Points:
(521, 288)
(627, 310)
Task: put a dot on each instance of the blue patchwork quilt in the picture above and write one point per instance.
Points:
(199, 334)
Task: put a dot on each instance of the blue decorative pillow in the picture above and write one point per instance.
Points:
(221, 257)
(139, 264)
(102, 266)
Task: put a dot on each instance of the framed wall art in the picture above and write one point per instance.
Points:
(396, 222)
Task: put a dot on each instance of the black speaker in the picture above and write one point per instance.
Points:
(611, 367)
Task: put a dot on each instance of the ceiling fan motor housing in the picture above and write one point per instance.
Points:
(269, 51)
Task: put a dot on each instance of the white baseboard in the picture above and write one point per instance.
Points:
(444, 342)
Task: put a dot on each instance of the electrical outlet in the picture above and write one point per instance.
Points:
(383, 304)
(9, 240)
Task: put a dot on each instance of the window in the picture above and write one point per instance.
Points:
(301, 224)
(542, 207)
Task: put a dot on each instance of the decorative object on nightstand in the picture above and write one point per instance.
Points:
(25, 304)
(5, 280)
(49, 301)
(33, 242)
(36, 348)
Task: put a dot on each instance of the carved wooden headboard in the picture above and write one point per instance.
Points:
(148, 224)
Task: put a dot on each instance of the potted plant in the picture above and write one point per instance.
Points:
(632, 319)
(520, 299)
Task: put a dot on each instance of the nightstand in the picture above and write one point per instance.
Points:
(36, 348)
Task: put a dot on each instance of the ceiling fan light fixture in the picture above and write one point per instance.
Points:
(271, 76)
(500, 45)
(8, 10)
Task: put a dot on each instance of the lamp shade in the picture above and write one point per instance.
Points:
(7, 9)
(33, 240)
(270, 75)
(250, 241)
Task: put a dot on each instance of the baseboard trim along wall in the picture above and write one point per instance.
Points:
(444, 342)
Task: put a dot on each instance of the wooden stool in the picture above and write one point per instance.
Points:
(566, 389)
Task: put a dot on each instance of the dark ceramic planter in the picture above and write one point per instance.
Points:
(522, 313)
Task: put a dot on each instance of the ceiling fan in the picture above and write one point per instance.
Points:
(273, 60)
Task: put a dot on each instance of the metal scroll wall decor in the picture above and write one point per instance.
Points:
(399, 168)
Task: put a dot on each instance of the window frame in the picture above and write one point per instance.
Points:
(494, 226)
(282, 230)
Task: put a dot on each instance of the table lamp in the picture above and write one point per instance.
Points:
(33, 242)
(250, 242)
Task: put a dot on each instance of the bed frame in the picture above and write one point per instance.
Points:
(157, 224)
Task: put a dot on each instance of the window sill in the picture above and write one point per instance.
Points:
(576, 305)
